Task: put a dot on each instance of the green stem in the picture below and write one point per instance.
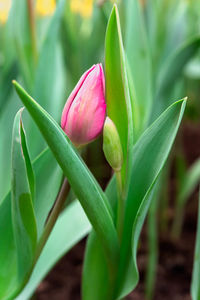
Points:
(31, 14)
(120, 207)
(53, 216)
(152, 230)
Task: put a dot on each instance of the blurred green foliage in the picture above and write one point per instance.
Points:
(155, 56)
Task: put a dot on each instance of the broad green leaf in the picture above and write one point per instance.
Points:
(87, 190)
(170, 73)
(195, 284)
(137, 50)
(150, 154)
(117, 90)
(48, 178)
(24, 223)
(95, 285)
(8, 259)
(70, 228)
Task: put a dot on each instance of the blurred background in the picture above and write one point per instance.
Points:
(46, 45)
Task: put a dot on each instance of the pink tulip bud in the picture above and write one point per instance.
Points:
(84, 112)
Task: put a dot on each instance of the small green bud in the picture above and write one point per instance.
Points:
(112, 145)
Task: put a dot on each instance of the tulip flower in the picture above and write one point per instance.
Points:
(84, 112)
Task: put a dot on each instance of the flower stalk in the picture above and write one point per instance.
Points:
(60, 200)
(120, 206)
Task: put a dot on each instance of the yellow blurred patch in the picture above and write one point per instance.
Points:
(45, 7)
(5, 6)
(82, 7)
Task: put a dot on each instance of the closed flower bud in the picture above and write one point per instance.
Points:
(84, 112)
(112, 145)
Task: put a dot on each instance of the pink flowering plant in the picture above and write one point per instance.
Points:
(42, 219)
(86, 100)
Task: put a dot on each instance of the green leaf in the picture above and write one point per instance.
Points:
(29, 168)
(138, 53)
(195, 284)
(150, 154)
(117, 90)
(80, 178)
(71, 227)
(95, 285)
(8, 270)
(48, 179)
(24, 223)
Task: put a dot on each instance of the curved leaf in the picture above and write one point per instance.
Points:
(23, 216)
(8, 258)
(71, 227)
(117, 90)
(48, 178)
(80, 178)
(150, 154)
(95, 285)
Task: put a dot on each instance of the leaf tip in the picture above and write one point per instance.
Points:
(14, 82)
